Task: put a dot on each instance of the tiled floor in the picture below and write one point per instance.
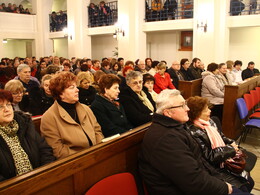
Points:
(252, 144)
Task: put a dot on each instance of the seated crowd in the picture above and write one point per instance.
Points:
(58, 21)
(12, 8)
(97, 99)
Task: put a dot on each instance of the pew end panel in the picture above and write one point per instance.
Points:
(190, 88)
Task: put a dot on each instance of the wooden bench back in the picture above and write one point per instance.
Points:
(77, 173)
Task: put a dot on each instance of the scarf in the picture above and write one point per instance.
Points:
(21, 159)
(142, 96)
(213, 134)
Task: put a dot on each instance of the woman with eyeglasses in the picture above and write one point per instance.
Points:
(185, 71)
(215, 146)
(22, 149)
(20, 102)
(138, 104)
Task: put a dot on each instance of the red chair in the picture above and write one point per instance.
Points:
(254, 95)
(118, 184)
(250, 106)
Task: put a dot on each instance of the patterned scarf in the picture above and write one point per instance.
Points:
(21, 160)
(142, 96)
(213, 134)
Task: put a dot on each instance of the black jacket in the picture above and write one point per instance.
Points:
(174, 77)
(195, 72)
(35, 146)
(247, 73)
(218, 155)
(171, 162)
(136, 112)
(187, 75)
(87, 96)
(111, 119)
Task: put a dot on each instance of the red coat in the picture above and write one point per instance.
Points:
(162, 83)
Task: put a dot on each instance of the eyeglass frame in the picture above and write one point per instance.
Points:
(9, 106)
(137, 82)
(183, 106)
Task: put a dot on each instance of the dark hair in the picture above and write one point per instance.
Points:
(52, 69)
(5, 96)
(238, 62)
(220, 65)
(60, 82)
(119, 59)
(147, 60)
(119, 66)
(129, 62)
(148, 77)
(106, 81)
(194, 60)
(103, 59)
(136, 61)
(183, 61)
(67, 64)
(105, 63)
(196, 105)
(212, 67)
(250, 63)
(155, 63)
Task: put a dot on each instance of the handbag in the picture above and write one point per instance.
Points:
(237, 163)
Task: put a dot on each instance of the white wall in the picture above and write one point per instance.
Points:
(60, 47)
(15, 48)
(103, 46)
(245, 45)
(59, 5)
(165, 45)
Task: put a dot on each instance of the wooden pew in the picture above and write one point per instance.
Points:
(77, 173)
(190, 88)
(37, 123)
(231, 124)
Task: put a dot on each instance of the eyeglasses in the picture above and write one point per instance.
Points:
(2, 107)
(137, 82)
(17, 93)
(183, 106)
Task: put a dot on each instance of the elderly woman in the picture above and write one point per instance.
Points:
(22, 148)
(87, 93)
(162, 79)
(138, 104)
(68, 125)
(215, 146)
(108, 111)
(213, 89)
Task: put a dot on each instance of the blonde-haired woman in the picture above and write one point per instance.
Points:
(87, 93)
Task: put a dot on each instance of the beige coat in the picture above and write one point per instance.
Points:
(65, 135)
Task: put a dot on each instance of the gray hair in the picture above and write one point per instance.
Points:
(163, 102)
(21, 67)
(132, 75)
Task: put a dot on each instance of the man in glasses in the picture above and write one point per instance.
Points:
(170, 160)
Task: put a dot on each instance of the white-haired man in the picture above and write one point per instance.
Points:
(170, 160)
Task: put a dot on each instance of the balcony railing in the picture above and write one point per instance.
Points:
(102, 16)
(158, 10)
(238, 7)
(58, 21)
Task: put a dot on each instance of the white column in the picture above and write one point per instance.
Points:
(212, 45)
(79, 43)
(131, 15)
(43, 45)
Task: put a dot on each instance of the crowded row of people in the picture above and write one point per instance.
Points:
(13, 8)
(114, 109)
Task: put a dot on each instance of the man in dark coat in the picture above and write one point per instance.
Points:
(170, 160)
(195, 69)
(250, 71)
(175, 74)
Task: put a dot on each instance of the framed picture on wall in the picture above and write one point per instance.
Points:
(186, 41)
